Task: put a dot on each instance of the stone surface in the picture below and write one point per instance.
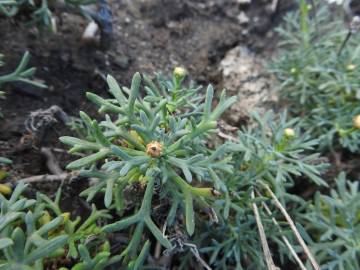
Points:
(244, 75)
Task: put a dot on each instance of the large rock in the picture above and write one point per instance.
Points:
(244, 76)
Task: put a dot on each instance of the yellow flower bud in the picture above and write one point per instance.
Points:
(179, 72)
(154, 149)
(293, 70)
(289, 132)
(356, 121)
(5, 189)
(350, 67)
(66, 216)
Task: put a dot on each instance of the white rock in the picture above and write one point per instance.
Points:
(244, 76)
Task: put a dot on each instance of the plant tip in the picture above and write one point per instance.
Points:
(179, 72)
(350, 67)
(289, 133)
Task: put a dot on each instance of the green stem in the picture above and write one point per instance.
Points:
(185, 187)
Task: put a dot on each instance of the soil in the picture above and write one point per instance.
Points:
(148, 36)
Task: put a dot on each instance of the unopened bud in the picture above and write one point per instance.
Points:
(289, 132)
(5, 189)
(350, 67)
(179, 72)
(356, 121)
(66, 216)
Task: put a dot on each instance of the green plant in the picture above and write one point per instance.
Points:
(318, 71)
(334, 223)
(26, 246)
(36, 232)
(157, 144)
(153, 169)
(20, 74)
(272, 153)
(40, 12)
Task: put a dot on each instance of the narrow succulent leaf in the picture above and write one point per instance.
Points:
(134, 93)
(151, 85)
(142, 256)
(132, 248)
(75, 141)
(109, 193)
(208, 102)
(218, 111)
(99, 135)
(44, 250)
(122, 224)
(157, 233)
(5, 242)
(115, 90)
(82, 162)
(53, 224)
(8, 218)
(189, 213)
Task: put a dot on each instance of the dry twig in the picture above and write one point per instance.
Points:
(293, 228)
(269, 261)
(51, 161)
(286, 241)
(48, 178)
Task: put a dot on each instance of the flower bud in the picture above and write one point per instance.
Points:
(154, 149)
(293, 70)
(289, 133)
(66, 216)
(356, 121)
(5, 189)
(350, 67)
(179, 72)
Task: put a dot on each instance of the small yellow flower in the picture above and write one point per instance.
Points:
(350, 67)
(356, 121)
(179, 72)
(289, 133)
(5, 189)
(154, 149)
